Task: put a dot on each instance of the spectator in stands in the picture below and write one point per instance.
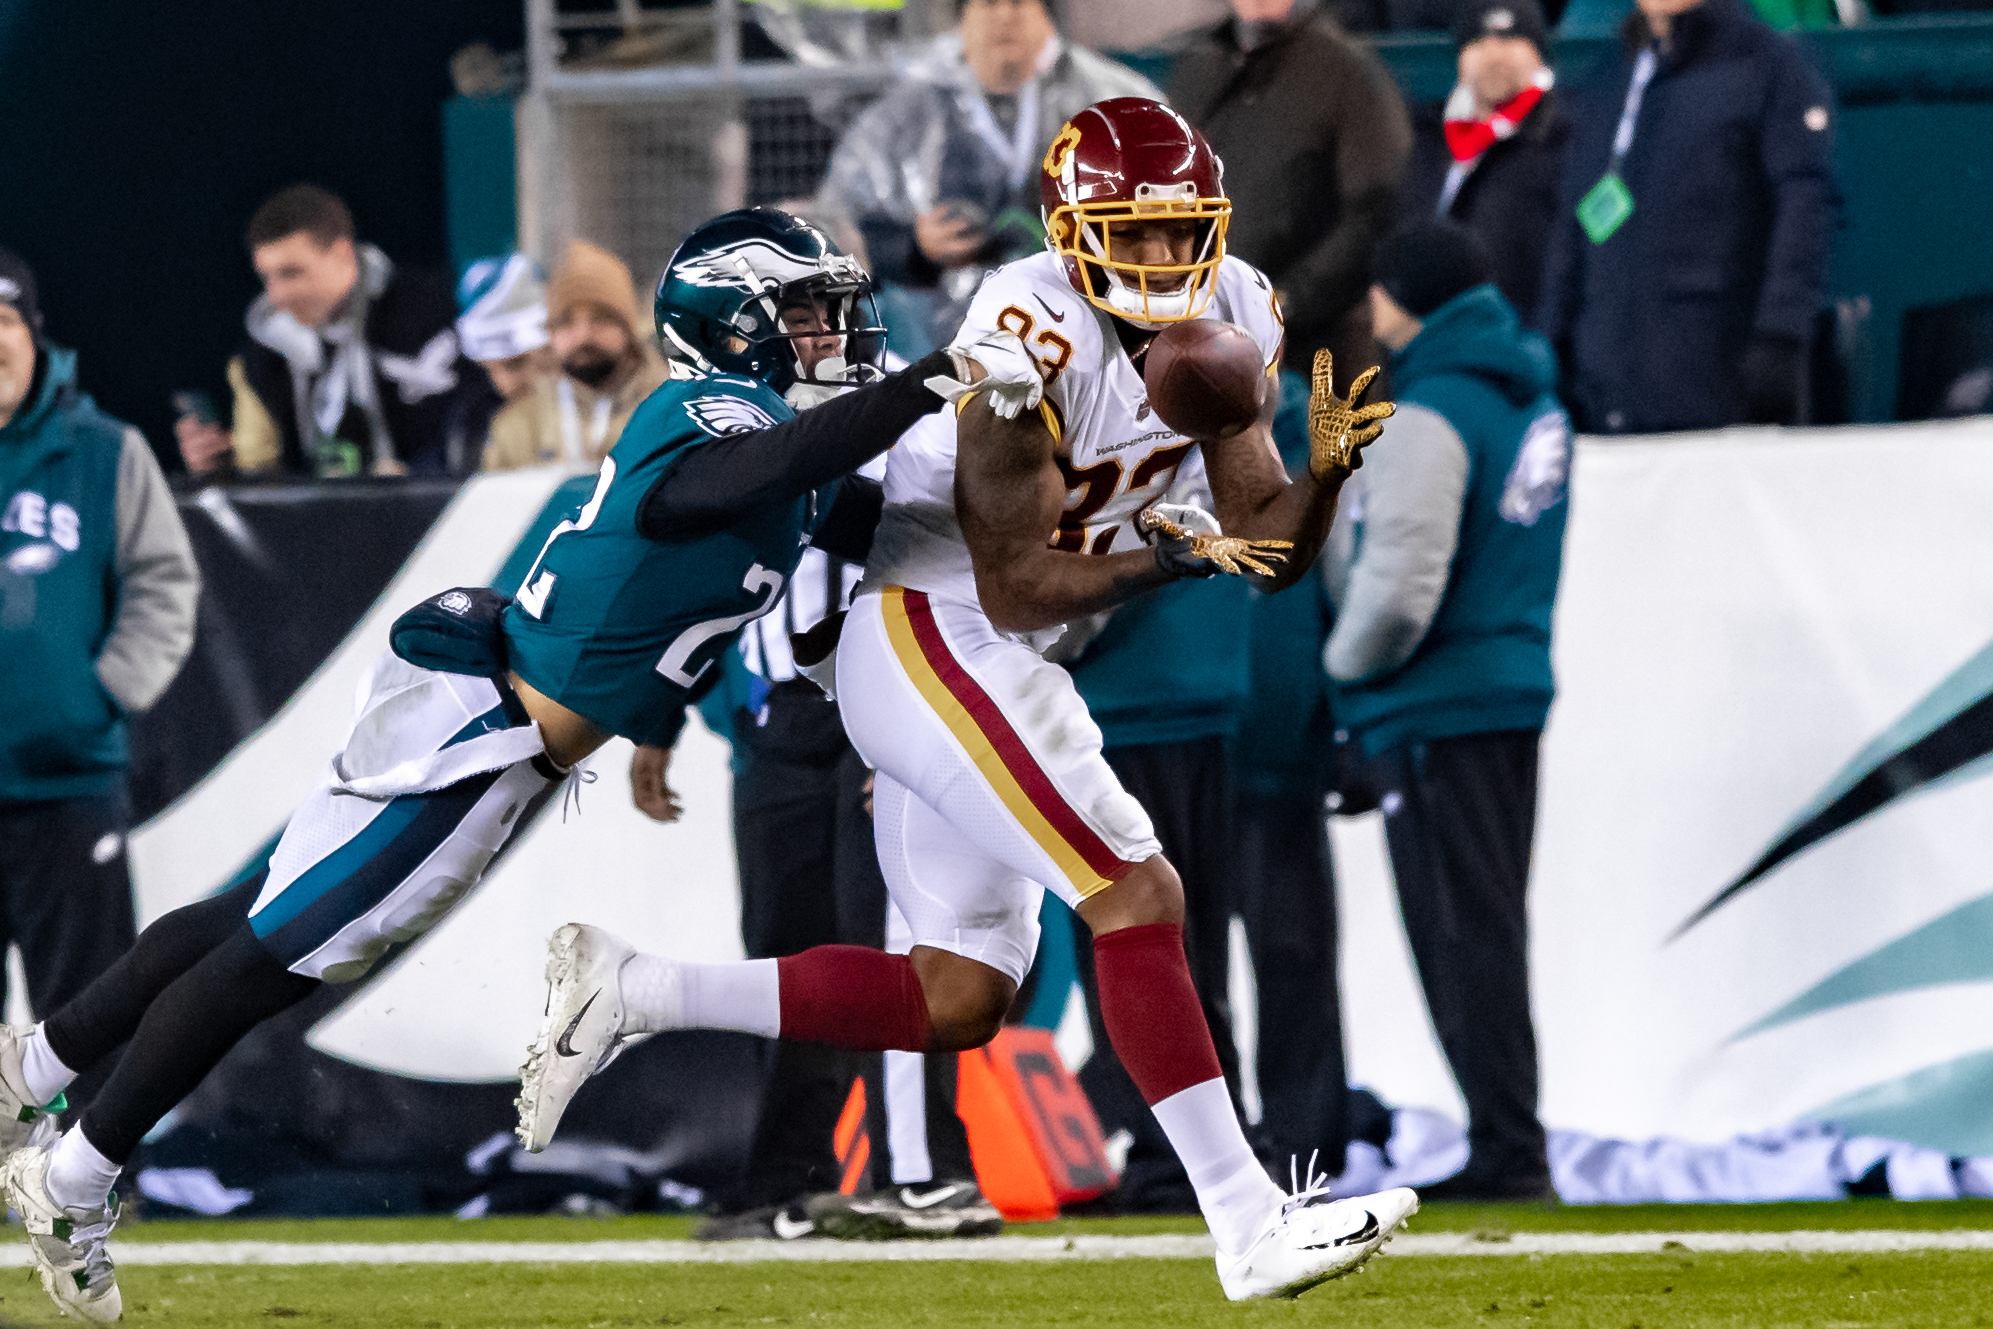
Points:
(1493, 158)
(352, 366)
(939, 178)
(607, 367)
(1314, 138)
(97, 593)
(503, 324)
(1690, 257)
(1440, 659)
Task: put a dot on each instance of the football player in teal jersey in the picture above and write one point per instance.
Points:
(697, 519)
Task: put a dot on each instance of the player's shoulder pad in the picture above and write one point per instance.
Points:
(1032, 298)
(685, 412)
(1245, 296)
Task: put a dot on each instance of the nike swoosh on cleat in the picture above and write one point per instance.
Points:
(1363, 1234)
(788, 1229)
(915, 1200)
(561, 1045)
(1057, 317)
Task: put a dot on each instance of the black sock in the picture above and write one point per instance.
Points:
(186, 1032)
(95, 1022)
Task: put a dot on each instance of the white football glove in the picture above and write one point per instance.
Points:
(1011, 375)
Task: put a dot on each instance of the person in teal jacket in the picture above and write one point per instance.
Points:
(97, 592)
(1444, 571)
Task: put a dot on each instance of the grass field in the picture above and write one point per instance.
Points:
(1668, 1288)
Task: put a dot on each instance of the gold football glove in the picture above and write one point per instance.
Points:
(1182, 552)
(1338, 428)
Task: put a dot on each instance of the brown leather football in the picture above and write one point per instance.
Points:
(1205, 378)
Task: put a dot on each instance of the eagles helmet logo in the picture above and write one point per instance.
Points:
(749, 265)
(454, 602)
(720, 416)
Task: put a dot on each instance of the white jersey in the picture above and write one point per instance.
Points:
(1117, 456)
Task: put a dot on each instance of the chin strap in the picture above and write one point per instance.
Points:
(1011, 375)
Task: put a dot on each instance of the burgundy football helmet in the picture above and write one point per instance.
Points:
(1128, 159)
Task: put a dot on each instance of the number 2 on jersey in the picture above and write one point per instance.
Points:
(1097, 485)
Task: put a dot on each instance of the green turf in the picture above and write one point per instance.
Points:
(1438, 1217)
(1616, 1292)
(1674, 1288)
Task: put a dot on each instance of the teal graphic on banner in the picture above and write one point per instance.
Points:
(1946, 736)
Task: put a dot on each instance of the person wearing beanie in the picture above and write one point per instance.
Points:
(97, 593)
(1443, 569)
(1492, 155)
(605, 365)
(503, 322)
(352, 365)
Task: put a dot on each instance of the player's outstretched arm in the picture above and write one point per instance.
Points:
(1008, 497)
(1255, 497)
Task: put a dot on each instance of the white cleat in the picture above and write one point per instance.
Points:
(1312, 1239)
(68, 1245)
(582, 1031)
(22, 1121)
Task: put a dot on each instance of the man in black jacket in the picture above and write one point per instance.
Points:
(1492, 158)
(1314, 138)
(1691, 250)
(352, 365)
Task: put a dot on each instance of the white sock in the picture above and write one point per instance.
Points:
(78, 1176)
(43, 1070)
(1233, 1190)
(663, 994)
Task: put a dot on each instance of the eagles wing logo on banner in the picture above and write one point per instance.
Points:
(720, 416)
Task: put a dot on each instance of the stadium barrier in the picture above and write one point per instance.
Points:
(1776, 683)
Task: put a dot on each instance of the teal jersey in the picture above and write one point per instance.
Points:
(620, 628)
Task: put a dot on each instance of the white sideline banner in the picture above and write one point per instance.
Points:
(1744, 617)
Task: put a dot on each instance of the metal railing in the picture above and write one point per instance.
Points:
(638, 123)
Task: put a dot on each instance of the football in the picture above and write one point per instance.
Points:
(1205, 378)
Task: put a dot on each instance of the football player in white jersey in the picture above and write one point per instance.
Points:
(991, 787)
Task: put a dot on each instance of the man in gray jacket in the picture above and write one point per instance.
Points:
(939, 177)
(97, 592)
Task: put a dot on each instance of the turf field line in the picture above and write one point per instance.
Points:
(1000, 1249)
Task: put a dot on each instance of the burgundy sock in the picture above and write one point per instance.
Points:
(853, 997)
(1151, 1011)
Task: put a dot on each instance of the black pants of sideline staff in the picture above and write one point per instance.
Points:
(1459, 814)
(809, 876)
(66, 899)
(1186, 788)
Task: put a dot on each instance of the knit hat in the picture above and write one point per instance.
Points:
(503, 308)
(1500, 18)
(1424, 266)
(590, 272)
(17, 288)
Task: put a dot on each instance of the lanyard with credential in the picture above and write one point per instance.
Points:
(1020, 151)
(1607, 204)
(572, 445)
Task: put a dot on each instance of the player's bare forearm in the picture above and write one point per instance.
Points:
(1256, 500)
(1008, 497)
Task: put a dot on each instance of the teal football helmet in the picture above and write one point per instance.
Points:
(738, 295)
